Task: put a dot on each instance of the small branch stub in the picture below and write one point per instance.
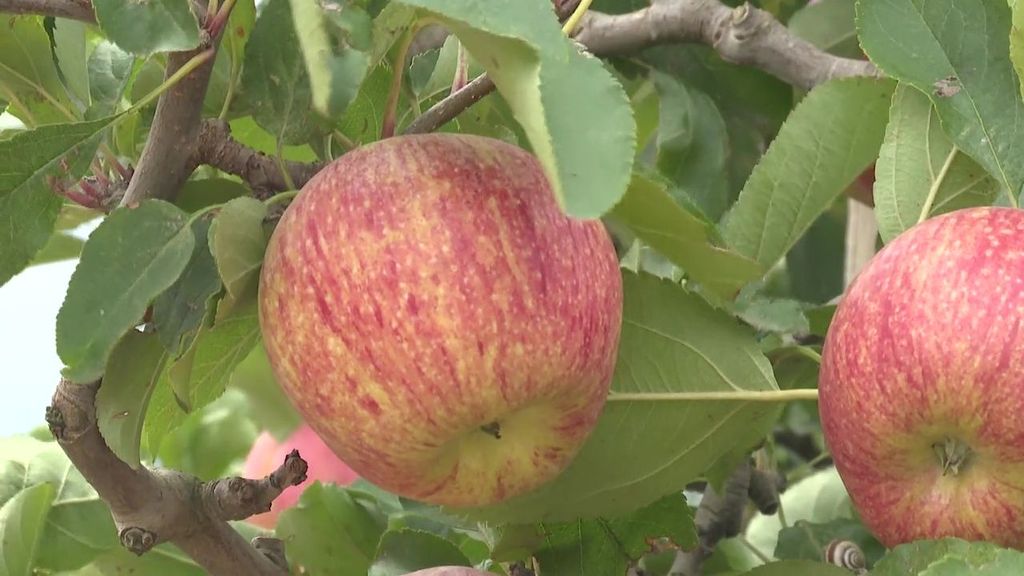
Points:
(137, 540)
(273, 549)
(238, 498)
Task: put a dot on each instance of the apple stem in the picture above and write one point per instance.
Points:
(493, 429)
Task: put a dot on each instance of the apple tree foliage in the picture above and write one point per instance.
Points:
(723, 186)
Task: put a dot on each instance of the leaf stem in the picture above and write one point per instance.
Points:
(736, 396)
(387, 128)
(577, 15)
(278, 198)
(279, 157)
(202, 212)
(753, 549)
(934, 190)
(230, 94)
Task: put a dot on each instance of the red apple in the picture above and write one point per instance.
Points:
(434, 315)
(267, 454)
(922, 382)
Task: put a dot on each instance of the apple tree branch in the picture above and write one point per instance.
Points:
(151, 506)
(73, 9)
(744, 35)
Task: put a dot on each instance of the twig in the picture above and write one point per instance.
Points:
(217, 148)
(742, 35)
(154, 506)
(439, 114)
(73, 9)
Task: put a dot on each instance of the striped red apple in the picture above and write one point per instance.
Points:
(922, 382)
(441, 323)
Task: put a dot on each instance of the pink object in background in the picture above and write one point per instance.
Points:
(267, 454)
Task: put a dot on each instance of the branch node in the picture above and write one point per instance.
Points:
(137, 540)
(272, 548)
(55, 421)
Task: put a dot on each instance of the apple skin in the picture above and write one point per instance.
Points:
(267, 454)
(433, 314)
(924, 356)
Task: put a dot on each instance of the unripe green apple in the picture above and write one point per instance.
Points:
(267, 454)
(922, 382)
(433, 314)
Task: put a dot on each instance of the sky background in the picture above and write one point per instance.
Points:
(28, 314)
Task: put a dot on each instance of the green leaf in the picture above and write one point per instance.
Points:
(220, 349)
(956, 52)
(28, 208)
(179, 310)
(830, 138)
(274, 77)
(78, 523)
(60, 246)
(188, 448)
(920, 173)
(110, 73)
(404, 551)
(693, 144)
(646, 445)
(69, 46)
(364, 117)
(585, 144)
(829, 25)
(248, 132)
(238, 241)
(601, 547)
(198, 194)
(1017, 40)
(133, 256)
(753, 103)
(145, 28)
(807, 541)
(797, 568)
(217, 351)
(814, 265)
(388, 27)
(334, 43)
(236, 37)
(21, 525)
(131, 375)
(28, 74)
(72, 216)
(771, 314)
(686, 239)
(330, 532)
(947, 557)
